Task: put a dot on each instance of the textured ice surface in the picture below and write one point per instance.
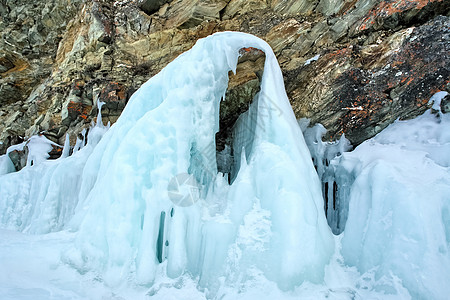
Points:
(42, 198)
(32, 270)
(398, 216)
(168, 128)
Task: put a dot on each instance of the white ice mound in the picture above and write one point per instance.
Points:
(271, 217)
(42, 197)
(399, 205)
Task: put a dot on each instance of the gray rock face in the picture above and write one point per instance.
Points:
(445, 104)
(379, 60)
(359, 90)
(152, 6)
(18, 158)
(293, 7)
(31, 32)
(190, 13)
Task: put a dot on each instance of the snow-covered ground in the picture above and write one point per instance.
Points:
(32, 269)
(107, 221)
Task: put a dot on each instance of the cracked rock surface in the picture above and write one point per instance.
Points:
(352, 65)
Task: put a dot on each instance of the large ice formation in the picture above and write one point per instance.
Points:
(115, 194)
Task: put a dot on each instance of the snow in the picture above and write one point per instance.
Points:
(38, 148)
(104, 222)
(314, 58)
(33, 269)
(436, 100)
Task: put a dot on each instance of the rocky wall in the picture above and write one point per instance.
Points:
(352, 65)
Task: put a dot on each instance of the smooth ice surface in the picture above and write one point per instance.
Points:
(6, 165)
(114, 194)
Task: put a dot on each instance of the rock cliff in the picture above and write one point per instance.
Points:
(353, 65)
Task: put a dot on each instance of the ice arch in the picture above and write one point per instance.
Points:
(271, 217)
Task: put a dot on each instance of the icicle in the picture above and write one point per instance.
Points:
(99, 114)
(66, 149)
(78, 145)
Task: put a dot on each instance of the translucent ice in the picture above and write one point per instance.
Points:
(322, 153)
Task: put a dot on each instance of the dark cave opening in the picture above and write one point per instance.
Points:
(242, 89)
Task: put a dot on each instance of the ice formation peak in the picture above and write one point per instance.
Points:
(168, 129)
